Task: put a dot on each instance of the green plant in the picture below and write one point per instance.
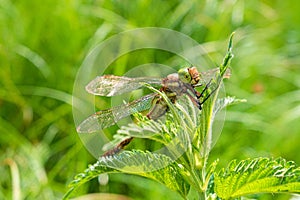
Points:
(191, 175)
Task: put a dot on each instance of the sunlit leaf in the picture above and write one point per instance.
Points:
(261, 175)
(145, 164)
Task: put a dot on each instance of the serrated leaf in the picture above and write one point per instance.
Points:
(184, 123)
(261, 175)
(151, 165)
(226, 101)
(143, 129)
(211, 107)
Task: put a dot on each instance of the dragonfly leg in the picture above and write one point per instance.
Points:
(206, 88)
(198, 95)
(209, 95)
(191, 94)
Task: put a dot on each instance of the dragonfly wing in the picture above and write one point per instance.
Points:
(106, 118)
(207, 75)
(110, 85)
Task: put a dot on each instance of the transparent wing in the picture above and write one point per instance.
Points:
(106, 118)
(110, 85)
(207, 75)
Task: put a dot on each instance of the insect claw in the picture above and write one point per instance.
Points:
(200, 106)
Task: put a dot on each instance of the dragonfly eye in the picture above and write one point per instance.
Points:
(184, 75)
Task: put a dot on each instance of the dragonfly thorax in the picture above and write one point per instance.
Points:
(173, 86)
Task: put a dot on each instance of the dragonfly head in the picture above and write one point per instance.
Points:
(189, 75)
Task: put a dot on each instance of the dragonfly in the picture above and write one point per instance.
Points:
(174, 85)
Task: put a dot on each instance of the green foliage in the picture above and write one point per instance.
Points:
(43, 44)
(261, 175)
(140, 163)
(184, 131)
(192, 132)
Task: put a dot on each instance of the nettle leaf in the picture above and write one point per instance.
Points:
(261, 175)
(213, 105)
(151, 165)
(165, 132)
(150, 128)
(226, 101)
(144, 128)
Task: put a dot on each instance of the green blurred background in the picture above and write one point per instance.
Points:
(43, 44)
